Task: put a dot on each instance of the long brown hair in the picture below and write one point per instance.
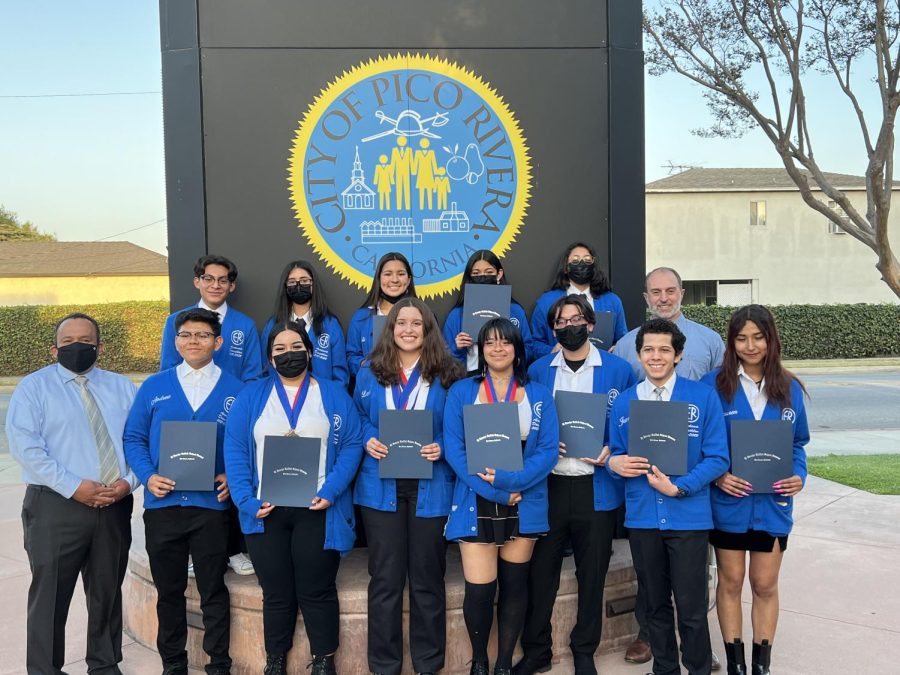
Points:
(778, 380)
(435, 360)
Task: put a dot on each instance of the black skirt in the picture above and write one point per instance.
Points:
(751, 540)
(497, 523)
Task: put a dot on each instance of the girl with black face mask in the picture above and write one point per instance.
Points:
(393, 280)
(296, 551)
(300, 297)
(483, 267)
(578, 272)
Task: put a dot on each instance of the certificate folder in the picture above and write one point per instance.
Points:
(658, 430)
(582, 422)
(290, 472)
(187, 454)
(405, 432)
(483, 302)
(604, 329)
(762, 452)
(378, 321)
(492, 437)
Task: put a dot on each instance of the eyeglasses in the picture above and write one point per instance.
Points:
(294, 283)
(200, 335)
(586, 259)
(577, 320)
(210, 280)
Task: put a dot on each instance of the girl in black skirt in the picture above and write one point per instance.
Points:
(496, 515)
(753, 385)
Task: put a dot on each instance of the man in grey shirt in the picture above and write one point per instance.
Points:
(703, 351)
(704, 348)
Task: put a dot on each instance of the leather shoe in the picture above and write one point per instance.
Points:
(715, 662)
(584, 664)
(529, 667)
(479, 668)
(638, 652)
(175, 669)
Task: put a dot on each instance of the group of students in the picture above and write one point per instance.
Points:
(512, 527)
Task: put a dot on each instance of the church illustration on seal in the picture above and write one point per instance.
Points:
(358, 195)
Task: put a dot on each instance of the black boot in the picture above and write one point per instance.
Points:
(734, 655)
(762, 655)
(479, 668)
(502, 671)
(276, 664)
(323, 665)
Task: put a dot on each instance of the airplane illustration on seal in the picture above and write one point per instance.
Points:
(409, 123)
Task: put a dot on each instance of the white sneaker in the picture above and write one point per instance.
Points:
(241, 564)
(190, 568)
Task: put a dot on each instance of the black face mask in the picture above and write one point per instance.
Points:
(393, 299)
(291, 364)
(572, 337)
(299, 295)
(580, 273)
(77, 356)
(484, 279)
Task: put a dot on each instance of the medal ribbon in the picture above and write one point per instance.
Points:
(292, 411)
(402, 391)
(491, 394)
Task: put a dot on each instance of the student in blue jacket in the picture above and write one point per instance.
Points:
(405, 518)
(215, 277)
(393, 280)
(296, 551)
(301, 297)
(578, 271)
(483, 267)
(669, 518)
(753, 385)
(583, 497)
(496, 515)
(180, 523)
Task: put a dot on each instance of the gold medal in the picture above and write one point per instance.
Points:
(290, 433)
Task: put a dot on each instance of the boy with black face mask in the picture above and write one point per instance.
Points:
(583, 498)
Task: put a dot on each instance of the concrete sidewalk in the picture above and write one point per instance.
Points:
(840, 604)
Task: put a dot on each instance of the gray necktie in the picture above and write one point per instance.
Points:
(106, 451)
(659, 392)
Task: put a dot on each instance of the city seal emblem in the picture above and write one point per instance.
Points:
(409, 153)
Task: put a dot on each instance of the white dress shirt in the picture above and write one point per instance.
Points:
(312, 423)
(572, 290)
(306, 317)
(197, 384)
(221, 311)
(756, 394)
(581, 380)
(646, 390)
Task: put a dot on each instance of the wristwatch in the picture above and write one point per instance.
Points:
(682, 493)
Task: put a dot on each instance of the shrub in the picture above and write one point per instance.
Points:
(822, 331)
(131, 333)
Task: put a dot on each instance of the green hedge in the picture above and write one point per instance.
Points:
(822, 331)
(131, 333)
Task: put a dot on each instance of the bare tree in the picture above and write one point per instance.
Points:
(718, 43)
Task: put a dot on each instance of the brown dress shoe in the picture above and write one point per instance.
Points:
(638, 652)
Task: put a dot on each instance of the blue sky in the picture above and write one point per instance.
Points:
(92, 167)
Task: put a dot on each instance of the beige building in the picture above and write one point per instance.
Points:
(746, 235)
(75, 273)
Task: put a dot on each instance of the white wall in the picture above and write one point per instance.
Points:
(793, 258)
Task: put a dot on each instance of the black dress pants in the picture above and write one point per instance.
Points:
(294, 572)
(172, 533)
(673, 563)
(62, 538)
(572, 516)
(403, 545)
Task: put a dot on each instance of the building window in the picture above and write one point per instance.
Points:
(757, 214)
(732, 292)
(833, 226)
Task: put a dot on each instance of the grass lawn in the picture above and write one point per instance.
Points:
(879, 474)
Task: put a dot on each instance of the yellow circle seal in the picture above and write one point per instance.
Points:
(414, 154)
